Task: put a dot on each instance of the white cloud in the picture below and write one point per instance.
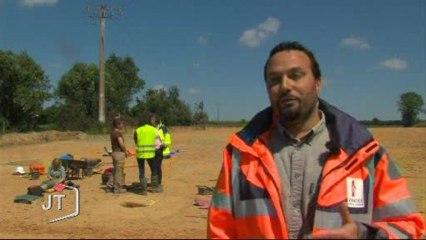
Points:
(255, 36)
(31, 3)
(355, 42)
(394, 64)
(203, 40)
(193, 91)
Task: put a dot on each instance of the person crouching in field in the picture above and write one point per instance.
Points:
(55, 174)
(119, 154)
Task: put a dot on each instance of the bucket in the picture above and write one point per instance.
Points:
(37, 167)
(204, 190)
(42, 170)
(105, 178)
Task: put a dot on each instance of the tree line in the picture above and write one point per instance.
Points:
(25, 88)
(410, 106)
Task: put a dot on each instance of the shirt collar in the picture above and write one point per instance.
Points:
(318, 128)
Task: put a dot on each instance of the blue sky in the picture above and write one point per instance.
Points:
(370, 52)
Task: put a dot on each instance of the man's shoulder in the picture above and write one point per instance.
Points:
(340, 118)
(258, 125)
(146, 127)
(115, 134)
(348, 132)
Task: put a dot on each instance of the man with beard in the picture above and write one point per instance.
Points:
(302, 168)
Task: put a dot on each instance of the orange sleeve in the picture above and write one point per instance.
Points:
(394, 210)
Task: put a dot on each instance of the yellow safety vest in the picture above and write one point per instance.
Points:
(165, 139)
(146, 141)
(168, 142)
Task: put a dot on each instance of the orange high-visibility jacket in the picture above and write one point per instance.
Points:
(246, 203)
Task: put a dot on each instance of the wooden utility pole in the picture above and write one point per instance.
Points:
(101, 116)
(104, 13)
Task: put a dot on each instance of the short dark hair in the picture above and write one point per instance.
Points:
(116, 122)
(293, 45)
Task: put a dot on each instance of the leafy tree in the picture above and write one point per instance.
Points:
(410, 104)
(165, 104)
(79, 90)
(74, 117)
(121, 83)
(23, 89)
(200, 117)
(179, 111)
(376, 121)
(50, 115)
(154, 101)
(173, 95)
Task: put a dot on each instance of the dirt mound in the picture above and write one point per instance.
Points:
(39, 137)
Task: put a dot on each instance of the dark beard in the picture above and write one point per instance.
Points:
(302, 113)
(289, 116)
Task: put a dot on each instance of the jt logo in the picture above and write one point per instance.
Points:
(49, 206)
(59, 199)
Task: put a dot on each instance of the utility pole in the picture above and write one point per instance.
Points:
(104, 13)
(101, 116)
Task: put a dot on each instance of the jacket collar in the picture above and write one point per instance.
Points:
(345, 132)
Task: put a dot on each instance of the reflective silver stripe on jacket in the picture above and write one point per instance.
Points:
(398, 232)
(250, 207)
(333, 220)
(146, 148)
(221, 201)
(397, 209)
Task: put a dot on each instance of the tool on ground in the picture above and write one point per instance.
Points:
(205, 190)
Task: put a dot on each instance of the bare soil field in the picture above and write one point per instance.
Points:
(170, 214)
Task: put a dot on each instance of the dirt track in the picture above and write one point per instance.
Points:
(167, 215)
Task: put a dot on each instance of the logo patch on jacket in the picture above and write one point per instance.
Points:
(355, 191)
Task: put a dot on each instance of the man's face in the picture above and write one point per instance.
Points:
(292, 88)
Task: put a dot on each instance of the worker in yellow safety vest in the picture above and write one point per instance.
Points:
(163, 151)
(166, 138)
(145, 138)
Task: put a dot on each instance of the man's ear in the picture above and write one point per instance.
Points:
(318, 85)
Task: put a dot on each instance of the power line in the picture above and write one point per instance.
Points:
(104, 13)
